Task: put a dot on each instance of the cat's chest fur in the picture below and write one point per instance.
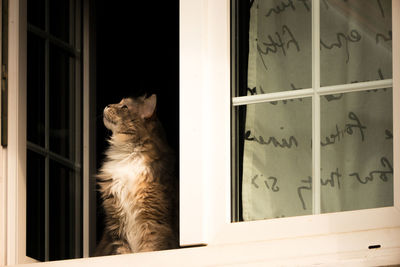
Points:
(125, 173)
(123, 176)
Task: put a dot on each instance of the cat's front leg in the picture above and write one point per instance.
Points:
(108, 246)
(153, 236)
(122, 249)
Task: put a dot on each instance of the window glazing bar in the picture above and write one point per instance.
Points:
(76, 26)
(325, 90)
(354, 87)
(54, 40)
(76, 166)
(254, 99)
(316, 123)
(47, 136)
(4, 73)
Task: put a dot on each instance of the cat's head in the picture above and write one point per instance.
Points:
(129, 114)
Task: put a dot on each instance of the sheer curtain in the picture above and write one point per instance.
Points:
(355, 127)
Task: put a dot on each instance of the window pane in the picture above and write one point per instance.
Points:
(356, 150)
(35, 206)
(36, 13)
(60, 119)
(356, 41)
(276, 162)
(59, 19)
(279, 46)
(36, 90)
(63, 197)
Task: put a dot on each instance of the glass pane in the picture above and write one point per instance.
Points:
(59, 19)
(356, 150)
(63, 197)
(60, 119)
(276, 165)
(279, 46)
(36, 90)
(35, 213)
(36, 13)
(356, 41)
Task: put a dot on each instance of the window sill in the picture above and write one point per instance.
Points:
(348, 249)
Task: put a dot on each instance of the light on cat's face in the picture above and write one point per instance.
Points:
(117, 117)
(124, 116)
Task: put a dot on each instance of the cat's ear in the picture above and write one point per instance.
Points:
(149, 106)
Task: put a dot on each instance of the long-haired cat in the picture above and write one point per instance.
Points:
(137, 181)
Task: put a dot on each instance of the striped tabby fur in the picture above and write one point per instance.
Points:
(137, 181)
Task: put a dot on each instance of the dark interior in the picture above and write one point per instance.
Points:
(137, 53)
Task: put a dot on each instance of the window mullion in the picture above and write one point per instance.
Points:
(75, 28)
(396, 97)
(47, 136)
(276, 96)
(309, 92)
(354, 87)
(316, 132)
(73, 181)
(68, 48)
(74, 165)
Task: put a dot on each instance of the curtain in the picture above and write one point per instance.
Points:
(355, 127)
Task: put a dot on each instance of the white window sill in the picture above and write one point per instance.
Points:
(347, 249)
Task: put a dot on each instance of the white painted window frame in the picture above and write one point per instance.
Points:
(3, 175)
(206, 193)
(13, 158)
(15, 163)
(205, 172)
(72, 46)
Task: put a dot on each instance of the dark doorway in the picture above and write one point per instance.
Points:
(137, 52)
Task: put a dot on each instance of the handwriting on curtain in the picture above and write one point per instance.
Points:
(356, 128)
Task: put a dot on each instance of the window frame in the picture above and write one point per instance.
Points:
(13, 158)
(73, 161)
(314, 94)
(16, 149)
(3, 174)
(205, 167)
(218, 229)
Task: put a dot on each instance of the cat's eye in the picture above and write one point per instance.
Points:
(124, 107)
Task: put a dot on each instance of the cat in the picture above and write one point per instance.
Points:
(137, 181)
